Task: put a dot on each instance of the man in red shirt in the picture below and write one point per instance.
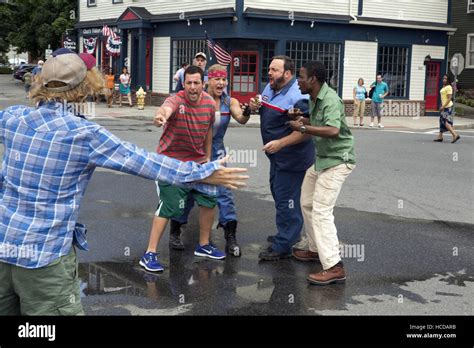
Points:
(187, 118)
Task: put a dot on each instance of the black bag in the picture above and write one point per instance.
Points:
(371, 92)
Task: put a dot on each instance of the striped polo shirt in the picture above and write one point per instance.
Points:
(185, 131)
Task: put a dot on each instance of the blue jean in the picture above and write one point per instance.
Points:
(286, 192)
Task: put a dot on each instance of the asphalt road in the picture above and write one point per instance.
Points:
(404, 217)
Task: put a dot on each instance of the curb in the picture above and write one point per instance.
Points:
(253, 124)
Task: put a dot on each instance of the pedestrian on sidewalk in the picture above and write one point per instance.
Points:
(290, 153)
(37, 70)
(380, 92)
(28, 78)
(50, 156)
(124, 88)
(446, 111)
(335, 160)
(110, 86)
(179, 77)
(227, 107)
(187, 118)
(200, 60)
(360, 95)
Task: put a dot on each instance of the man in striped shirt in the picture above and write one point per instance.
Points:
(187, 118)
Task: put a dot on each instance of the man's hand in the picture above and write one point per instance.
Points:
(227, 177)
(294, 113)
(159, 120)
(273, 146)
(296, 125)
(254, 104)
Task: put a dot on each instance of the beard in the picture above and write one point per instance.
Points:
(277, 83)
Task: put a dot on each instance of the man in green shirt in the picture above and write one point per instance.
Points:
(335, 160)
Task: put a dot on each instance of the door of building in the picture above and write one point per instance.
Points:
(432, 85)
(244, 75)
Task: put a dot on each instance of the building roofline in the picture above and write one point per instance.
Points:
(298, 16)
(167, 17)
(403, 24)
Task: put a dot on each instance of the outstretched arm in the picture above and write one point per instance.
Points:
(108, 151)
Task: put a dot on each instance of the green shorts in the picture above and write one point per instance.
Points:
(50, 290)
(173, 200)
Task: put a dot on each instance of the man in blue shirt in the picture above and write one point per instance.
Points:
(290, 153)
(381, 91)
(37, 69)
(50, 156)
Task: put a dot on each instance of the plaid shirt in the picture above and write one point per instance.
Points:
(49, 158)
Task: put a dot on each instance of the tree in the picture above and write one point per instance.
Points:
(5, 20)
(39, 24)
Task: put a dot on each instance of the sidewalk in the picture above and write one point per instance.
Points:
(422, 123)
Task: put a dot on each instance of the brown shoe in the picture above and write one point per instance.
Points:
(335, 274)
(305, 255)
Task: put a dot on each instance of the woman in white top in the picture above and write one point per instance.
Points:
(360, 94)
(124, 88)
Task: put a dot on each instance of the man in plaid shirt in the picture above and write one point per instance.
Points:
(50, 155)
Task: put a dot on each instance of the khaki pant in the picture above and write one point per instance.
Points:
(319, 193)
(359, 108)
(50, 290)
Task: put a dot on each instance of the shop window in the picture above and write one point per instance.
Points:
(327, 53)
(470, 51)
(393, 66)
(184, 52)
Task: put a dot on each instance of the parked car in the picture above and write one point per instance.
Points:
(22, 71)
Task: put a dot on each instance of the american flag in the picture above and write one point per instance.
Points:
(222, 56)
(106, 31)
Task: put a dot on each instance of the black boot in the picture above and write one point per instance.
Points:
(231, 246)
(175, 236)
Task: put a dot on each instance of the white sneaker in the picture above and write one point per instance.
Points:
(381, 125)
(371, 124)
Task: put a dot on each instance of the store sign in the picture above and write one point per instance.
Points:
(70, 42)
(98, 31)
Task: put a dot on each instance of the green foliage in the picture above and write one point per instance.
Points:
(39, 23)
(5, 20)
(466, 101)
(5, 70)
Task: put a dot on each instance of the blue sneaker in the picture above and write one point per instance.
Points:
(149, 261)
(209, 251)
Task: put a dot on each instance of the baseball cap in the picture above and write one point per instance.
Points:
(200, 54)
(68, 69)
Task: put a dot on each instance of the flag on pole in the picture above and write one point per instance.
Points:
(106, 31)
(221, 54)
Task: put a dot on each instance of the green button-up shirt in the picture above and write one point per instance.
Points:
(329, 111)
